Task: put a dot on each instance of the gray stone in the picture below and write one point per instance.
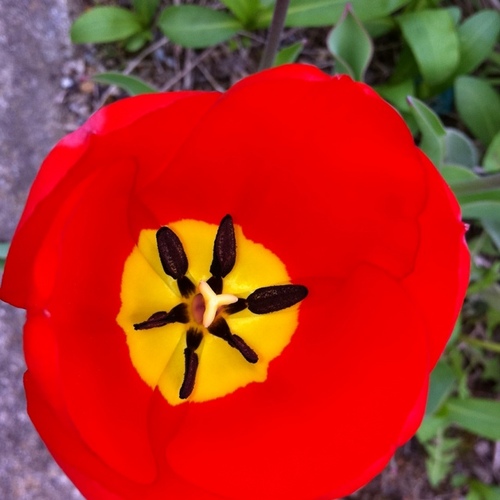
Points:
(33, 46)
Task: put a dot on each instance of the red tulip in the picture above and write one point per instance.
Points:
(298, 195)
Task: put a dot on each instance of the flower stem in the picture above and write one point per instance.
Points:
(477, 186)
(483, 344)
(275, 30)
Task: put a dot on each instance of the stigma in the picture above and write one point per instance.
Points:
(213, 302)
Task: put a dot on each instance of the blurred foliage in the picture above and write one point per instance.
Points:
(444, 81)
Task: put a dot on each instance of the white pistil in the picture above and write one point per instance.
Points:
(213, 302)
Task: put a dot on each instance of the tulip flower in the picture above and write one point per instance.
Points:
(237, 295)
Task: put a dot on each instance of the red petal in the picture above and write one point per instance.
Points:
(333, 404)
(92, 477)
(148, 128)
(324, 195)
(439, 280)
(105, 398)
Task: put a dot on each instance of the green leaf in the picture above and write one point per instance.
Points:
(131, 84)
(480, 416)
(480, 491)
(245, 10)
(489, 209)
(146, 10)
(288, 54)
(406, 67)
(430, 426)
(442, 453)
(455, 13)
(351, 46)
(379, 27)
(441, 384)
(433, 132)
(478, 105)
(4, 249)
(105, 24)
(459, 149)
(455, 173)
(492, 227)
(137, 41)
(397, 93)
(309, 13)
(433, 39)
(491, 160)
(197, 27)
(477, 36)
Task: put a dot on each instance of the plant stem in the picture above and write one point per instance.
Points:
(476, 186)
(275, 30)
(483, 344)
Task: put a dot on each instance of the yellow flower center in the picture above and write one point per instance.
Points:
(197, 327)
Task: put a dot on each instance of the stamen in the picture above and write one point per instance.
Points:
(275, 298)
(174, 260)
(186, 286)
(224, 248)
(220, 329)
(191, 366)
(172, 255)
(215, 283)
(213, 302)
(178, 314)
(191, 361)
(236, 307)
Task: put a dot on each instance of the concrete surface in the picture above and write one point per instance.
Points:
(33, 46)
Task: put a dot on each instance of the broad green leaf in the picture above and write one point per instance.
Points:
(478, 189)
(478, 105)
(146, 9)
(196, 27)
(379, 27)
(105, 24)
(489, 209)
(411, 123)
(480, 416)
(245, 10)
(455, 13)
(288, 54)
(477, 36)
(459, 149)
(351, 46)
(406, 67)
(397, 93)
(131, 84)
(456, 173)
(491, 160)
(137, 41)
(4, 249)
(441, 384)
(430, 426)
(309, 13)
(433, 39)
(492, 227)
(433, 132)
(480, 491)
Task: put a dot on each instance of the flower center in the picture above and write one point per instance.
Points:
(212, 303)
(199, 342)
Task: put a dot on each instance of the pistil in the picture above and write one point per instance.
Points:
(213, 302)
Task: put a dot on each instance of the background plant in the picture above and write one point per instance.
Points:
(438, 63)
